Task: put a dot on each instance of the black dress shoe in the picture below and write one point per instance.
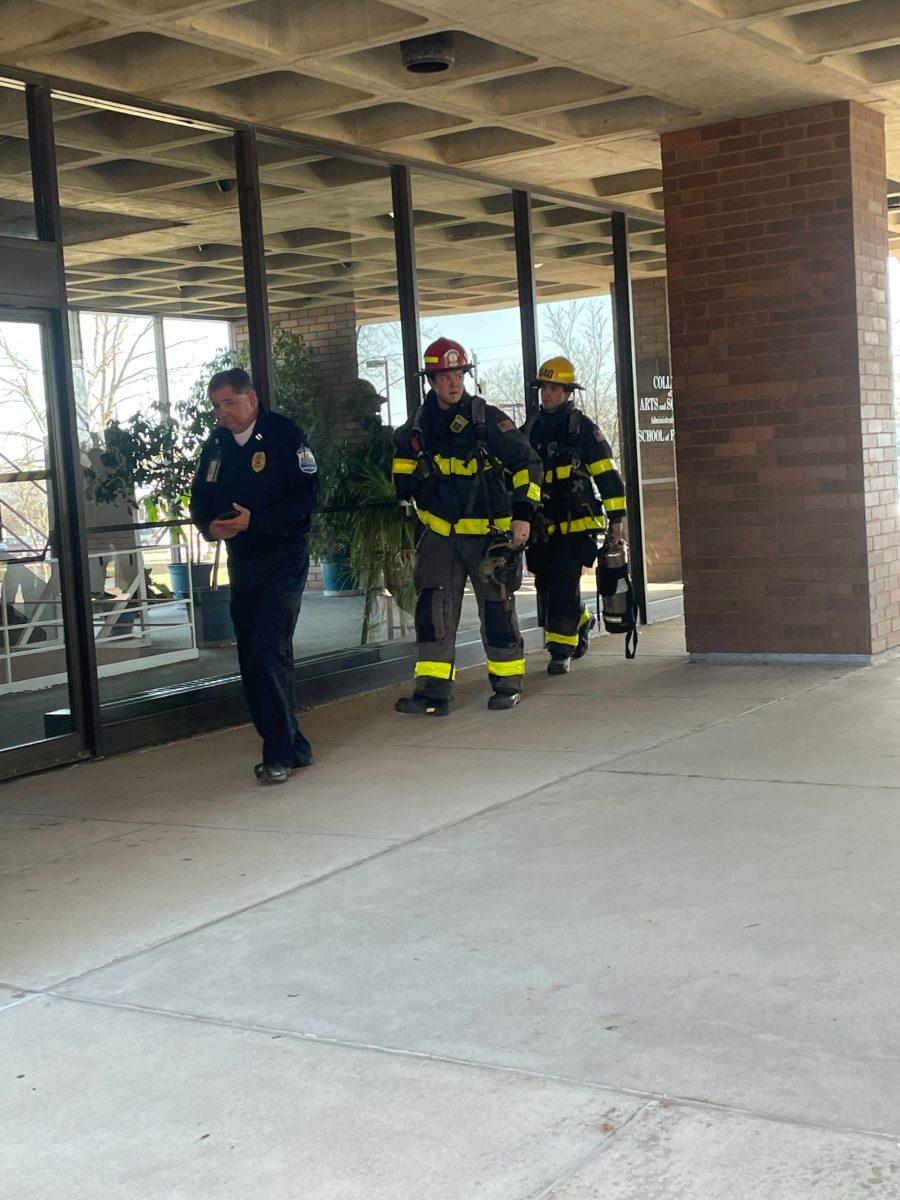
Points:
(422, 706)
(303, 755)
(501, 700)
(558, 666)
(267, 773)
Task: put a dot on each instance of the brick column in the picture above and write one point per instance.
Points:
(776, 235)
(330, 332)
(656, 429)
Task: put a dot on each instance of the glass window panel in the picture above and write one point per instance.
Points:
(33, 672)
(332, 286)
(154, 272)
(656, 421)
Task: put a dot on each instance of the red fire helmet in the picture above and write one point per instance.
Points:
(445, 355)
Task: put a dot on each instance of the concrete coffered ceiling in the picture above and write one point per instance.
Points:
(569, 94)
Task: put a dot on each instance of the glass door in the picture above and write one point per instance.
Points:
(37, 726)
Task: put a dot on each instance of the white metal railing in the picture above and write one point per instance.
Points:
(137, 621)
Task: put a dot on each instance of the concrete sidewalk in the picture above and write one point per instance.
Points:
(636, 940)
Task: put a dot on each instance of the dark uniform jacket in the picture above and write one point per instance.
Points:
(273, 475)
(436, 465)
(581, 481)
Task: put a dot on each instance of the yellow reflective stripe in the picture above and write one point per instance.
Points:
(436, 670)
(601, 465)
(471, 525)
(468, 525)
(457, 466)
(581, 525)
(516, 667)
(585, 617)
(521, 478)
(534, 492)
(563, 638)
(404, 466)
(616, 504)
(433, 522)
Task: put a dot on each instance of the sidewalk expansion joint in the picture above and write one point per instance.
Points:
(816, 783)
(586, 1160)
(664, 1099)
(392, 848)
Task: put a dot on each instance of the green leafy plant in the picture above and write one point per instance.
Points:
(156, 454)
(382, 542)
(359, 513)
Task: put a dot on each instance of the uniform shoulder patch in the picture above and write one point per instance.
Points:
(506, 425)
(306, 460)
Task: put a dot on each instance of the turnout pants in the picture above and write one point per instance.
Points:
(443, 564)
(265, 602)
(556, 564)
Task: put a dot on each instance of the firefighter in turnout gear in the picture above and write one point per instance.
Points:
(583, 496)
(475, 482)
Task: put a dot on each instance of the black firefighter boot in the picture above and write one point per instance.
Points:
(559, 664)
(422, 706)
(584, 637)
(501, 700)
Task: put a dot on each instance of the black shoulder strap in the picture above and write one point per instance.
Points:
(418, 428)
(574, 427)
(479, 427)
(479, 421)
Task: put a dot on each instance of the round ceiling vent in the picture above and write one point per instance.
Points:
(429, 54)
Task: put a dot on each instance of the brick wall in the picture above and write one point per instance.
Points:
(656, 429)
(330, 332)
(777, 248)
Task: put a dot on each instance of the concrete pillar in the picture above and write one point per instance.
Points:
(776, 234)
(656, 429)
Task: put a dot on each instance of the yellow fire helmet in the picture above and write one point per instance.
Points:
(558, 370)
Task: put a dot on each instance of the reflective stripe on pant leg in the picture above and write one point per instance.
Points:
(566, 639)
(515, 668)
(435, 670)
(562, 639)
(438, 578)
(564, 606)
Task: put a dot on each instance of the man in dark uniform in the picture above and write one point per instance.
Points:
(583, 495)
(255, 489)
(475, 482)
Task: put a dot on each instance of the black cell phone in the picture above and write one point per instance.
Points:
(228, 515)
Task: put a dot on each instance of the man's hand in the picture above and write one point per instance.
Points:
(518, 534)
(224, 530)
(614, 533)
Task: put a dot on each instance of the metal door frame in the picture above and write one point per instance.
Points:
(30, 756)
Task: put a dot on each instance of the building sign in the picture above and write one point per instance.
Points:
(657, 420)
